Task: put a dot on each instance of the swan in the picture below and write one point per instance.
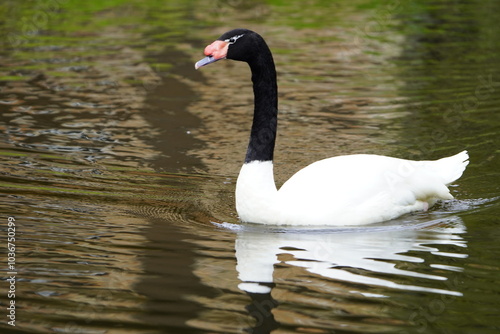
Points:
(353, 189)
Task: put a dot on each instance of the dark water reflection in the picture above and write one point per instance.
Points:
(118, 161)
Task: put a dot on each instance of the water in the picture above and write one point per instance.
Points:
(118, 163)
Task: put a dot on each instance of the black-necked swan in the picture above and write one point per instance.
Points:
(345, 190)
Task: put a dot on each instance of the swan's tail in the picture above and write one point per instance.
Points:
(451, 168)
(430, 182)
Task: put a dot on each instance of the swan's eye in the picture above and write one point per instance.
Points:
(233, 39)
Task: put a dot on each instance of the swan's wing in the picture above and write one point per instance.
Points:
(366, 188)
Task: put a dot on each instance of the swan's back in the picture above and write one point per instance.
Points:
(361, 189)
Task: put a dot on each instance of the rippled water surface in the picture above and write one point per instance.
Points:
(118, 163)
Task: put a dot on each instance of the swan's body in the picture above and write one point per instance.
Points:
(345, 190)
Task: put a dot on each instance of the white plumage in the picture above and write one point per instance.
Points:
(345, 190)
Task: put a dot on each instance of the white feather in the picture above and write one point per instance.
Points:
(345, 190)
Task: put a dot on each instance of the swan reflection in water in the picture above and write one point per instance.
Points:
(369, 262)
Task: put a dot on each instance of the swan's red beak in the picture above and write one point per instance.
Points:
(215, 51)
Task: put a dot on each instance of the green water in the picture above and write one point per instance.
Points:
(118, 163)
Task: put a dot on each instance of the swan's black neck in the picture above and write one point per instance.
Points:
(265, 121)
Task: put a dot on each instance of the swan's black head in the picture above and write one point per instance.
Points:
(237, 44)
(248, 46)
